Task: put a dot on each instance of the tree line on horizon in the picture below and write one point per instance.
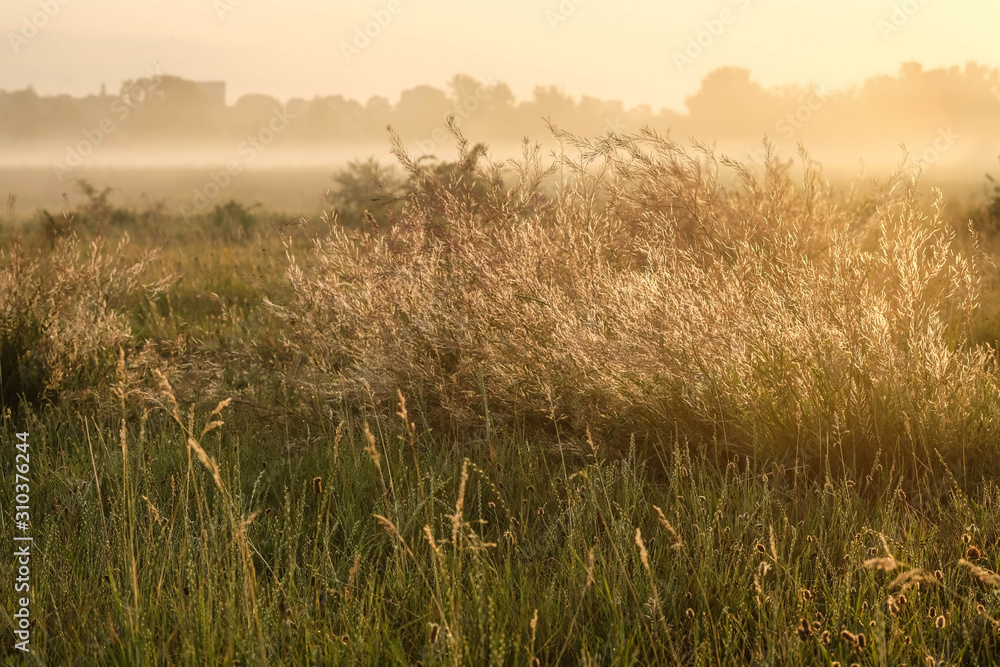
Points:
(730, 105)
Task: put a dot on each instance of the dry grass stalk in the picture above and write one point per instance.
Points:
(910, 578)
(678, 542)
(988, 577)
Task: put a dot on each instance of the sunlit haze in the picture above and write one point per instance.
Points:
(612, 50)
(310, 85)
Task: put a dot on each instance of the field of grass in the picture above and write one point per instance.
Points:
(640, 405)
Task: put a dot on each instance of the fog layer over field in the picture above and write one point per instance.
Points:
(167, 138)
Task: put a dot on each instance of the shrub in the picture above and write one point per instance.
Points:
(648, 295)
(993, 202)
(63, 317)
(359, 187)
(233, 219)
(97, 216)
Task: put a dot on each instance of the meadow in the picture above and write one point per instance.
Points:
(635, 403)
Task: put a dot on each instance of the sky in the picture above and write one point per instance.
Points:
(639, 51)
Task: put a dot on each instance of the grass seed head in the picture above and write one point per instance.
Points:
(887, 564)
(893, 605)
(643, 555)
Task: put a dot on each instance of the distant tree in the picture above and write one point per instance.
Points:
(378, 114)
(993, 204)
(333, 117)
(234, 219)
(482, 107)
(463, 87)
(363, 185)
(552, 102)
(169, 108)
(421, 110)
(595, 117)
(730, 104)
(20, 111)
(255, 106)
(98, 211)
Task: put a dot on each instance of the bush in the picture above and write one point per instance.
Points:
(648, 296)
(233, 219)
(63, 317)
(22, 370)
(993, 202)
(98, 217)
(362, 186)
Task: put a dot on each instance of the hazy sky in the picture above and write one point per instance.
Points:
(630, 51)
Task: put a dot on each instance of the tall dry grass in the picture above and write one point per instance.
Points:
(635, 287)
(64, 316)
